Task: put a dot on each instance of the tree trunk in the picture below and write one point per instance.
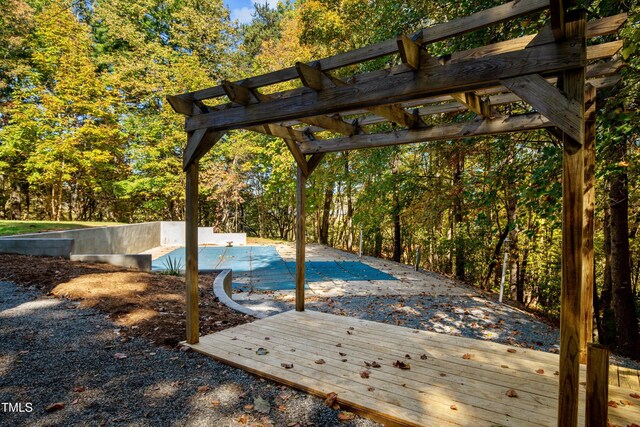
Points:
(326, 213)
(348, 190)
(377, 249)
(397, 231)
(458, 216)
(627, 337)
(606, 326)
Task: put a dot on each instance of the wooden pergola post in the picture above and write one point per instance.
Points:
(301, 198)
(191, 248)
(573, 85)
(586, 321)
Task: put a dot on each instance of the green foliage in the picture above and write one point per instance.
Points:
(172, 266)
(86, 133)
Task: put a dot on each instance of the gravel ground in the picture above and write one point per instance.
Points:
(473, 317)
(52, 351)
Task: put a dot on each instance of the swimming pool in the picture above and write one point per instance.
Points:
(261, 267)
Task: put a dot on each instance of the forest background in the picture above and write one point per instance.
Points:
(86, 134)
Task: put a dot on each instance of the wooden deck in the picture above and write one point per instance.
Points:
(451, 380)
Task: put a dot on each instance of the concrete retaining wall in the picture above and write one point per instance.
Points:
(173, 232)
(138, 261)
(38, 247)
(125, 239)
(117, 245)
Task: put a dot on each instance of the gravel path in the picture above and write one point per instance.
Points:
(473, 317)
(52, 351)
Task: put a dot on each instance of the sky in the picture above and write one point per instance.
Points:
(242, 9)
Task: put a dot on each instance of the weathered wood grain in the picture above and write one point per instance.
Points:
(191, 248)
(301, 200)
(597, 386)
(464, 76)
(300, 159)
(589, 194)
(198, 144)
(432, 34)
(473, 128)
(566, 114)
(573, 82)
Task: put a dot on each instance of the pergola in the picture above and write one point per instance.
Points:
(555, 73)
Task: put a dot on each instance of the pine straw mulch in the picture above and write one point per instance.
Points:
(142, 304)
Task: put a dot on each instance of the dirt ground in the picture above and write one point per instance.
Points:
(143, 304)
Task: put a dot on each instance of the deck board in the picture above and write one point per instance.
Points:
(423, 395)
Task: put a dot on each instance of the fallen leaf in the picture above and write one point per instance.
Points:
(612, 404)
(346, 416)
(282, 408)
(407, 356)
(365, 374)
(467, 356)
(267, 338)
(442, 374)
(262, 351)
(635, 395)
(375, 364)
(367, 364)
(351, 328)
(511, 350)
(370, 389)
(320, 362)
(287, 365)
(504, 366)
(556, 373)
(203, 388)
(242, 420)
(511, 393)
(215, 402)
(54, 407)
(331, 399)
(626, 402)
(453, 407)
(540, 371)
(75, 402)
(401, 365)
(424, 357)
(338, 345)
(344, 360)
(79, 389)
(342, 354)
(248, 407)
(120, 356)
(349, 332)
(262, 406)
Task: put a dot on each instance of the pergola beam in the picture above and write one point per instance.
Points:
(438, 32)
(244, 97)
(462, 76)
(317, 80)
(566, 114)
(478, 127)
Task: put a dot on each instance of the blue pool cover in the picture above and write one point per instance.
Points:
(261, 267)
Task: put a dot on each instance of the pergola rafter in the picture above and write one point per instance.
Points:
(552, 72)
